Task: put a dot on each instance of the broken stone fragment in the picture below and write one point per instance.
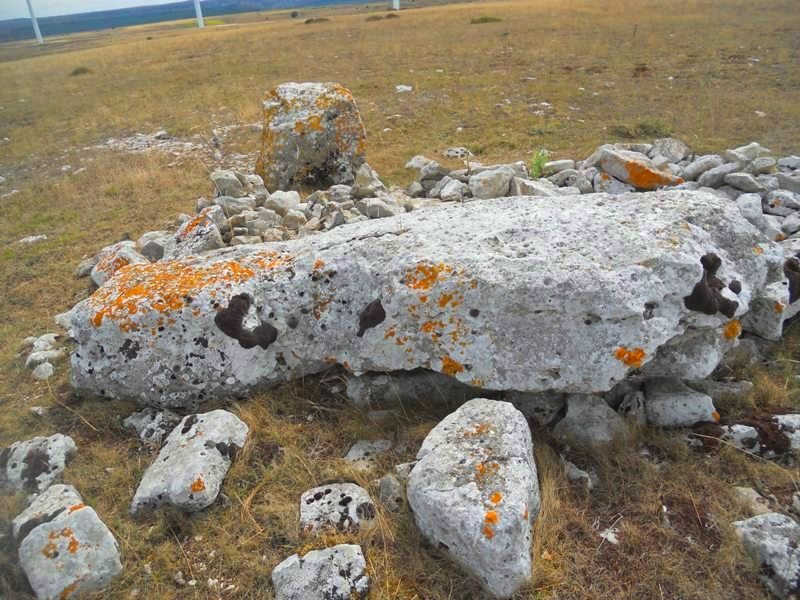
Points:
(670, 403)
(364, 454)
(336, 573)
(589, 421)
(228, 184)
(336, 506)
(152, 425)
(634, 169)
(312, 134)
(474, 493)
(199, 234)
(33, 465)
(773, 542)
(70, 556)
(392, 493)
(112, 258)
(191, 466)
(47, 506)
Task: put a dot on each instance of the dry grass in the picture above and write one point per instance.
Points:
(188, 81)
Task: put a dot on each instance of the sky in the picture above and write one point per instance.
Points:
(13, 9)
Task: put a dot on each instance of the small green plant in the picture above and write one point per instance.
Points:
(482, 20)
(316, 20)
(80, 71)
(537, 162)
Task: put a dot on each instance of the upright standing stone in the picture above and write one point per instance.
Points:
(312, 134)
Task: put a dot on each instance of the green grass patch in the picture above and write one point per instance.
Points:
(316, 20)
(482, 20)
(647, 128)
(80, 71)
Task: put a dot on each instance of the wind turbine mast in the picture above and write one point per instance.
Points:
(35, 24)
(197, 11)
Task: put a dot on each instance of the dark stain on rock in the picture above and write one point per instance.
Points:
(229, 320)
(791, 268)
(372, 315)
(37, 462)
(706, 297)
(188, 423)
(130, 349)
(735, 286)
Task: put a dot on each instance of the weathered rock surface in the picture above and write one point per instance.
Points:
(773, 541)
(33, 465)
(635, 170)
(152, 425)
(336, 573)
(465, 290)
(200, 234)
(47, 506)
(670, 403)
(364, 454)
(112, 258)
(407, 389)
(474, 492)
(589, 421)
(70, 556)
(192, 463)
(312, 134)
(336, 506)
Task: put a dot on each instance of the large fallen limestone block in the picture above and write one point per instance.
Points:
(558, 294)
(312, 134)
(474, 492)
(773, 541)
(193, 462)
(70, 556)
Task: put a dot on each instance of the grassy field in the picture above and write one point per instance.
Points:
(611, 70)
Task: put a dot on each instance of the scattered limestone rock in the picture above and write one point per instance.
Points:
(632, 168)
(671, 149)
(281, 202)
(364, 453)
(32, 239)
(556, 166)
(43, 371)
(670, 403)
(773, 541)
(229, 183)
(33, 465)
(336, 573)
(152, 244)
(589, 421)
(392, 493)
(112, 258)
(70, 556)
(192, 463)
(312, 134)
(492, 183)
(367, 183)
(474, 492)
(700, 165)
(751, 500)
(49, 505)
(336, 506)
(201, 233)
(152, 425)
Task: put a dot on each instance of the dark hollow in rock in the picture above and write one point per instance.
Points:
(229, 320)
(372, 315)
(791, 268)
(706, 297)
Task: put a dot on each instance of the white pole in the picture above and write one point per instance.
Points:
(395, 4)
(35, 24)
(197, 10)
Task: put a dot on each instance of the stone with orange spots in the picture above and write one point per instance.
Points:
(114, 257)
(201, 233)
(635, 169)
(52, 504)
(313, 134)
(69, 553)
(474, 493)
(770, 309)
(192, 464)
(561, 294)
(671, 403)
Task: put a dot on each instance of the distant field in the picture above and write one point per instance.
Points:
(701, 70)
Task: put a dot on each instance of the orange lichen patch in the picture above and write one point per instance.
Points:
(715, 416)
(318, 264)
(444, 300)
(390, 332)
(631, 358)
(643, 177)
(423, 299)
(73, 546)
(50, 550)
(451, 367)
(732, 329)
(198, 485)
(488, 532)
(476, 382)
(201, 219)
(525, 514)
(167, 287)
(758, 250)
(478, 430)
(67, 591)
(484, 470)
(346, 365)
(320, 307)
(431, 326)
(75, 507)
(496, 498)
(491, 517)
(401, 340)
(780, 237)
(65, 533)
(425, 276)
